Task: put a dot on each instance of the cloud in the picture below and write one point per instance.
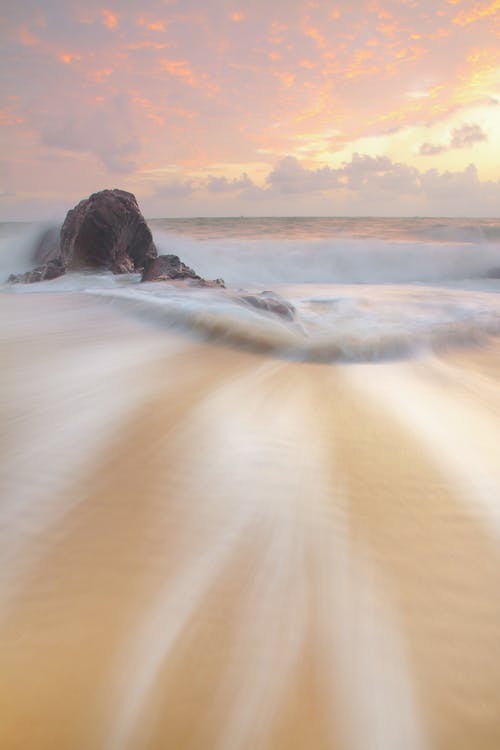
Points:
(477, 13)
(466, 136)
(450, 185)
(118, 87)
(379, 173)
(289, 176)
(361, 173)
(431, 149)
(175, 189)
(463, 137)
(104, 130)
(223, 185)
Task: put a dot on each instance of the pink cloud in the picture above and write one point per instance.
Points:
(109, 19)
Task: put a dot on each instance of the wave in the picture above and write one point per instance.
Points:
(355, 299)
(353, 261)
(348, 325)
(267, 260)
(17, 246)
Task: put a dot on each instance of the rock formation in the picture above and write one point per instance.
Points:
(171, 268)
(105, 231)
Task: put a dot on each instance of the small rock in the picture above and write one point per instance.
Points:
(45, 272)
(171, 268)
(270, 302)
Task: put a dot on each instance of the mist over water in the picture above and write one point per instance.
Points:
(223, 529)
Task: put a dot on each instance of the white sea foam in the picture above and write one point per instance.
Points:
(337, 322)
(17, 245)
(334, 260)
(226, 502)
(460, 439)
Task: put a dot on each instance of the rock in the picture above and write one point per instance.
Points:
(166, 267)
(270, 302)
(107, 231)
(171, 268)
(45, 272)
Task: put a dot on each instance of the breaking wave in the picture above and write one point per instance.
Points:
(356, 297)
(333, 261)
(343, 324)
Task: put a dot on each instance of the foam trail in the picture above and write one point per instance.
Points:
(206, 495)
(366, 671)
(272, 623)
(31, 507)
(274, 487)
(166, 621)
(459, 438)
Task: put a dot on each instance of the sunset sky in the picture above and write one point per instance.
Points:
(275, 107)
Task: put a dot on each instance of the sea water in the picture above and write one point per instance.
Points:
(221, 528)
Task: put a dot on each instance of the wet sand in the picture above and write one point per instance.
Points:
(207, 548)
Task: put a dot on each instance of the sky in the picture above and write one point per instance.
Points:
(255, 108)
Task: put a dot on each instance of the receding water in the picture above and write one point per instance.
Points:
(223, 529)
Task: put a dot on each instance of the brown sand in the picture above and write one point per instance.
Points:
(243, 552)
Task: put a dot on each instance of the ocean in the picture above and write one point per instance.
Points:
(223, 528)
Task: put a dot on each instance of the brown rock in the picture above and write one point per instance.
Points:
(171, 268)
(107, 230)
(45, 272)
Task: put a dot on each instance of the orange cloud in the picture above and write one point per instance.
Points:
(277, 29)
(376, 8)
(151, 110)
(98, 76)
(359, 66)
(6, 118)
(481, 80)
(69, 57)
(287, 79)
(151, 25)
(109, 18)
(237, 17)
(146, 43)
(466, 17)
(179, 69)
(307, 64)
(315, 33)
(27, 38)
(388, 29)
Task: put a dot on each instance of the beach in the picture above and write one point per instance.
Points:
(204, 545)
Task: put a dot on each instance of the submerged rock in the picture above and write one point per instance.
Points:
(107, 231)
(171, 268)
(44, 272)
(270, 302)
